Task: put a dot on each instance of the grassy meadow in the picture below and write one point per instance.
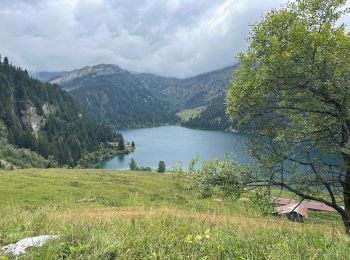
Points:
(187, 114)
(153, 216)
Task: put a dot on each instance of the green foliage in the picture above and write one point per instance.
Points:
(22, 158)
(106, 151)
(161, 167)
(294, 75)
(133, 166)
(227, 175)
(143, 169)
(261, 200)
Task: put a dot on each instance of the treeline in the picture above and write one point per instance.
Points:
(213, 117)
(43, 118)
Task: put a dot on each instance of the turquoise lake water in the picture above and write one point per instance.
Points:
(175, 144)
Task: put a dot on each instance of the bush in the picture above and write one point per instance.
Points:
(22, 158)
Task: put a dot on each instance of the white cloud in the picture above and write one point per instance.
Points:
(168, 37)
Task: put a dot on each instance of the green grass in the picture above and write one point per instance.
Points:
(149, 215)
(187, 114)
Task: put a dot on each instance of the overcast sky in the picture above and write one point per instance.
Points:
(168, 37)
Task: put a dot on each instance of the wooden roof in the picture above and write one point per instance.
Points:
(294, 207)
(308, 205)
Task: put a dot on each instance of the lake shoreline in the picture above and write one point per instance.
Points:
(175, 144)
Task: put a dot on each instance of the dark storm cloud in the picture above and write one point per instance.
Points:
(167, 37)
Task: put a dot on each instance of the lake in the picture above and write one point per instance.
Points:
(174, 144)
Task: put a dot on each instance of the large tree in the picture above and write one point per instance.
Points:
(293, 86)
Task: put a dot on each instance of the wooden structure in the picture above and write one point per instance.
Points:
(309, 205)
(293, 211)
(297, 211)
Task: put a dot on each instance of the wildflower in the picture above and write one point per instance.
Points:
(188, 239)
(198, 238)
(207, 233)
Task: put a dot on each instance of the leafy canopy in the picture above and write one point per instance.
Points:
(293, 82)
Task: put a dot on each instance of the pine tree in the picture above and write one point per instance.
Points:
(121, 144)
(132, 164)
(161, 166)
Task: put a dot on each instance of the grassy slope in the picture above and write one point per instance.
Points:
(186, 114)
(149, 215)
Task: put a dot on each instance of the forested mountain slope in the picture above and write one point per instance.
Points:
(190, 92)
(213, 117)
(46, 120)
(206, 91)
(115, 96)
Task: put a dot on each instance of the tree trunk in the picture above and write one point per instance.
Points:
(346, 221)
(346, 194)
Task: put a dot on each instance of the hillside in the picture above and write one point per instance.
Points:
(45, 120)
(213, 117)
(211, 90)
(200, 90)
(117, 97)
(204, 95)
(151, 216)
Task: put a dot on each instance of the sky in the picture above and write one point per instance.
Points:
(178, 38)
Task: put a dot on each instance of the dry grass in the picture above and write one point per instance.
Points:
(247, 223)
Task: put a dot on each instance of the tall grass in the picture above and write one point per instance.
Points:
(147, 226)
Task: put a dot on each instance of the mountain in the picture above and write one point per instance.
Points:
(46, 75)
(191, 92)
(45, 120)
(201, 98)
(115, 96)
(120, 98)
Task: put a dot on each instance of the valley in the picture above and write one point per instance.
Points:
(119, 98)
